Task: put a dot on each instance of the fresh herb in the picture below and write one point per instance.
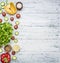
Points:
(6, 32)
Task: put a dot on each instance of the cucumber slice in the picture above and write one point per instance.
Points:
(2, 7)
(17, 22)
(16, 33)
(6, 18)
(14, 57)
(0, 11)
(2, 3)
(15, 40)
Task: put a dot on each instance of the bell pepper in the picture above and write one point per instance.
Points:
(10, 8)
(5, 58)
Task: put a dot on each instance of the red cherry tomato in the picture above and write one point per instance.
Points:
(5, 58)
(11, 18)
(3, 14)
(12, 37)
(13, 52)
(16, 27)
(18, 16)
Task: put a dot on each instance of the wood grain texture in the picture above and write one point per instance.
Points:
(39, 29)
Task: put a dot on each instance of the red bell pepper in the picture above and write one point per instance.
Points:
(5, 58)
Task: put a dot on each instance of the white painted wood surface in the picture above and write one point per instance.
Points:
(39, 29)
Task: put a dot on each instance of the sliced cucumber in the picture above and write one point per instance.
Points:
(16, 33)
(14, 57)
(15, 40)
(0, 11)
(6, 18)
(2, 3)
(17, 22)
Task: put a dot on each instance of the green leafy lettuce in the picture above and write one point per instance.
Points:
(6, 32)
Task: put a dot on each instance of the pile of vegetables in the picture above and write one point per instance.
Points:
(6, 32)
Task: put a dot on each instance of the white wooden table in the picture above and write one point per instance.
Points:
(39, 29)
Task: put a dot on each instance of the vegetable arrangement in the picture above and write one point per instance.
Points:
(6, 30)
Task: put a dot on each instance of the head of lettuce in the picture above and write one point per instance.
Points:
(6, 32)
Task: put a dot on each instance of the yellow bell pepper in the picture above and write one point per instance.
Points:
(10, 8)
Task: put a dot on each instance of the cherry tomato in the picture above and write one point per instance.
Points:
(12, 37)
(11, 18)
(13, 52)
(3, 14)
(18, 16)
(16, 27)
